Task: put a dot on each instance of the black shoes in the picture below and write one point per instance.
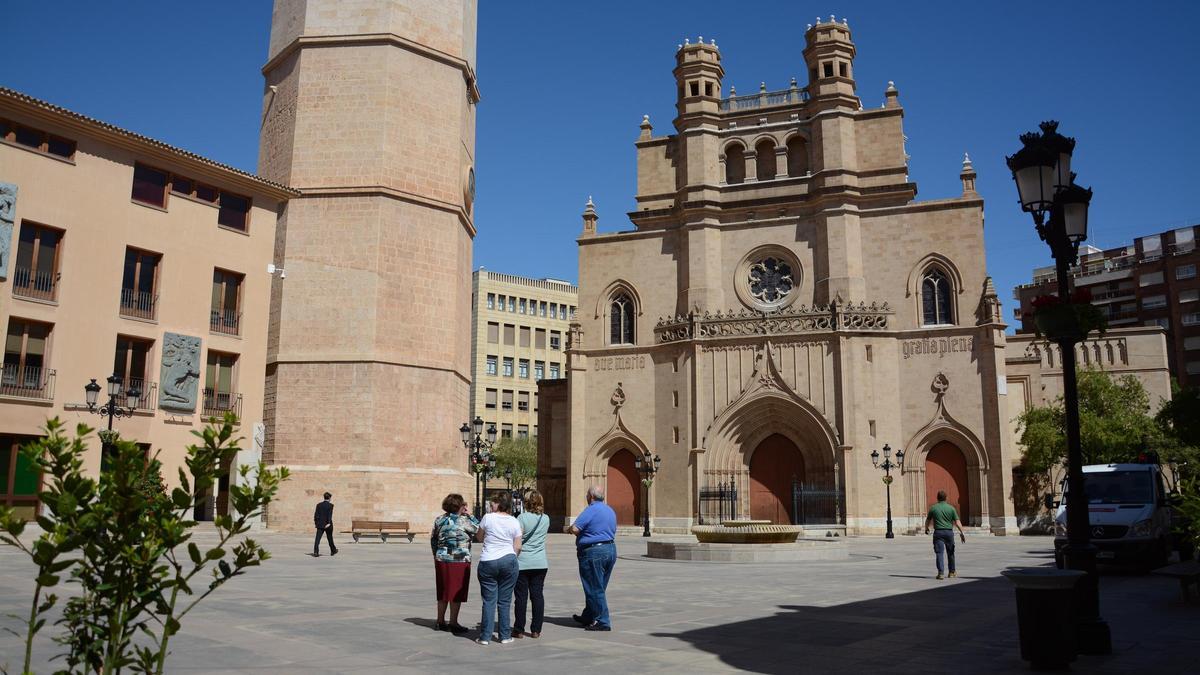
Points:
(334, 552)
(441, 625)
(579, 620)
(598, 627)
(457, 629)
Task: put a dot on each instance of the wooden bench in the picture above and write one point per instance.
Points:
(1188, 573)
(379, 528)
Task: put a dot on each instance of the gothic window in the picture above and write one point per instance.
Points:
(935, 299)
(621, 320)
(770, 280)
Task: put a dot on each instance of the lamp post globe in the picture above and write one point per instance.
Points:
(92, 393)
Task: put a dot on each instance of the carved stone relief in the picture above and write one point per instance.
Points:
(180, 375)
(8, 216)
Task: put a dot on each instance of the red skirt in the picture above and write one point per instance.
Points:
(453, 580)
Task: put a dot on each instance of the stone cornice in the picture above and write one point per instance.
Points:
(393, 193)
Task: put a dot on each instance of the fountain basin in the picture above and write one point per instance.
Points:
(747, 532)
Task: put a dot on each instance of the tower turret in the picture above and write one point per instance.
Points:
(589, 218)
(698, 74)
(829, 53)
(968, 177)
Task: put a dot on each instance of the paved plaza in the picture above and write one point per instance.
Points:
(371, 610)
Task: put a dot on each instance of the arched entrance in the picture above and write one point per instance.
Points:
(946, 469)
(624, 493)
(774, 464)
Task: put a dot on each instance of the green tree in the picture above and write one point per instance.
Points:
(127, 545)
(1114, 424)
(520, 455)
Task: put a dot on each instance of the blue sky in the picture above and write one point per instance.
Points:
(565, 85)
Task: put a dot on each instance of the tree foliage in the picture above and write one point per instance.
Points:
(520, 455)
(126, 544)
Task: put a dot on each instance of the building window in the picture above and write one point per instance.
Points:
(554, 371)
(1185, 271)
(501, 306)
(1150, 279)
(674, 434)
(25, 373)
(1191, 343)
(139, 284)
(226, 315)
(1165, 324)
(508, 366)
(150, 186)
(770, 280)
(621, 320)
(935, 299)
(506, 401)
(491, 301)
(490, 400)
(234, 212)
(572, 312)
(512, 304)
(522, 431)
(510, 334)
(674, 399)
(505, 431)
(539, 338)
(542, 309)
(523, 400)
(491, 365)
(219, 396)
(554, 310)
(522, 305)
(36, 139)
(20, 480)
(190, 188)
(1191, 319)
(524, 333)
(1154, 301)
(1189, 296)
(539, 370)
(493, 336)
(764, 160)
(1193, 368)
(555, 340)
(735, 164)
(131, 362)
(35, 272)
(523, 368)
(797, 156)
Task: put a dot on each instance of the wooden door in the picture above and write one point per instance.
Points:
(624, 488)
(946, 469)
(775, 463)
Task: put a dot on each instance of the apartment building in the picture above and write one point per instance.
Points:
(1150, 282)
(123, 257)
(518, 338)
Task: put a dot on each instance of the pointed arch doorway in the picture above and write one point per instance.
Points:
(946, 469)
(776, 462)
(624, 488)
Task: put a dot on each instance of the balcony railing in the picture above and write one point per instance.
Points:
(149, 397)
(29, 283)
(764, 99)
(225, 321)
(1182, 249)
(30, 382)
(217, 403)
(138, 304)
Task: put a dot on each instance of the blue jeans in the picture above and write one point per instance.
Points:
(943, 543)
(496, 580)
(595, 569)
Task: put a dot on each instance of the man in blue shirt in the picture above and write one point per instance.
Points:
(594, 530)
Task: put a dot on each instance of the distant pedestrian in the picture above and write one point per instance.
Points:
(533, 565)
(323, 520)
(594, 531)
(944, 518)
(498, 569)
(451, 544)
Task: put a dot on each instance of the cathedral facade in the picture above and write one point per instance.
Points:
(783, 308)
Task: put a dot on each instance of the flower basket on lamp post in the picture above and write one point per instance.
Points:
(1067, 321)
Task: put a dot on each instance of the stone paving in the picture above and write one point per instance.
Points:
(371, 610)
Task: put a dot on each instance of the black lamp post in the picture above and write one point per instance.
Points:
(1046, 187)
(647, 468)
(113, 408)
(479, 454)
(887, 467)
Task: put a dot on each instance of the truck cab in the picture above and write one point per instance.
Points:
(1128, 515)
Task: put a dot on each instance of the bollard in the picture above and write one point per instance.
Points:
(1046, 615)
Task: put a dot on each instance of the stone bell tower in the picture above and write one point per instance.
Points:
(369, 110)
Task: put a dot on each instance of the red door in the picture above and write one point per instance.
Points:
(624, 488)
(946, 469)
(775, 463)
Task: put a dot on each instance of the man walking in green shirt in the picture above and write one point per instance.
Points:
(944, 519)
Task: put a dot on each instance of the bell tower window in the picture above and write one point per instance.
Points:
(935, 299)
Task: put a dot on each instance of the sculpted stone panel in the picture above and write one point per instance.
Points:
(180, 375)
(8, 216)
(803, 319)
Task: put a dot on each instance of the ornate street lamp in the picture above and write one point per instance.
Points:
(113, 407)
(479, 455)
(647, 468)
(1046, 185)
(887, 467)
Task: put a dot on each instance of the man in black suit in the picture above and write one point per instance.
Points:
(323, 519)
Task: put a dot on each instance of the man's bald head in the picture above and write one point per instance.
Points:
(595, 494)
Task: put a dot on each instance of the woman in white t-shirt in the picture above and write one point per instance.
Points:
(501, 537)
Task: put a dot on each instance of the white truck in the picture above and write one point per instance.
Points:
(1128, 515)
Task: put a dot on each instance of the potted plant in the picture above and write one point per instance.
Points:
(1070, 320)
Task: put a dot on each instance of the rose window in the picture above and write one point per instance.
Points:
(770, 280)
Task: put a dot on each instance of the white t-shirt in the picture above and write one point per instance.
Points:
(499, 531)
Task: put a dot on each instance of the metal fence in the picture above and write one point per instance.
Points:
(718, 503)
(816, 504)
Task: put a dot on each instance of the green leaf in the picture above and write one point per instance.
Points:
(215, 554)
(47, 580)
(171, 627)
(194, 552)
